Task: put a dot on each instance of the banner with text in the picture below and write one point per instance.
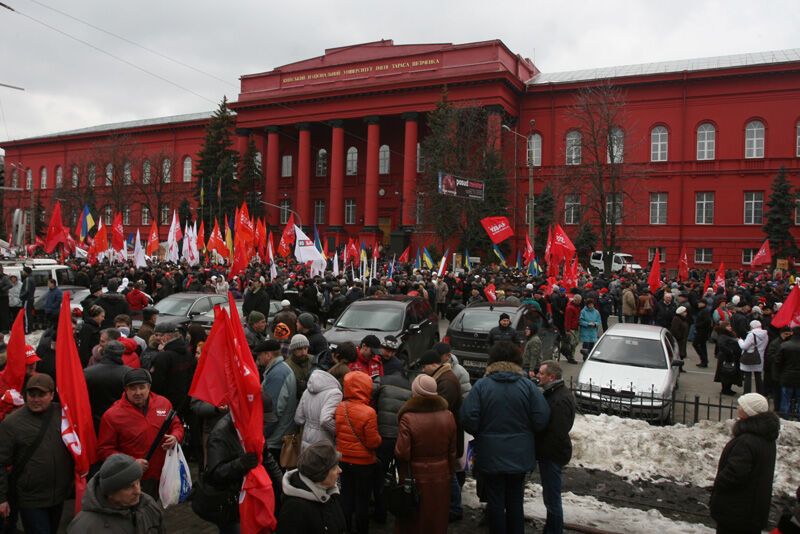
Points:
(498, 228)
(455, 186)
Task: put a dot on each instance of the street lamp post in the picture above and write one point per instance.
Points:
(530, 203)
(297, 215)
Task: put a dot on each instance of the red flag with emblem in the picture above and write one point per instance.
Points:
(287, 238)
(789, 314)
(654, 278)
(683, 265)
(491, 292)
(561, 246)
(498, 228)
(153, 240)
(216, 241)
(763, 256)
(529, 253)
(13, 376)
(77, 427)
(56, 233)
(719, 279)
(117, 233)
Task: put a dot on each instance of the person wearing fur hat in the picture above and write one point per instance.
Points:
(426, 446)
(114, 501)
(742, 491)
(299, 362)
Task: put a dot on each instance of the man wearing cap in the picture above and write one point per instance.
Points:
(11, 399)
(114, 502)
(503, 332)
(256, 298)
(148, 327)
(36, 469)
(299, 362)
(391, 363)
(132, 423)
(742, 491)
(317, 344)
(368, 359)
(447, 356)
(255, 329)
(172, 366)
(105, 381)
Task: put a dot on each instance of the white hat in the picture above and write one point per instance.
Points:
(757, 310)
(753, 403)
(735, 300)
(681, 310)
(262, 279)
(755, 324)
(529, 286)
(213, 278)
(285, 303)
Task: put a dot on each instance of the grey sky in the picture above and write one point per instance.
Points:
(69, 85)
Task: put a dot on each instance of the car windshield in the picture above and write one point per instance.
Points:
(170, 306)
(480, 320)
(632, 351)
(377, 317)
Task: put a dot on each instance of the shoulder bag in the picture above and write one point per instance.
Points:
(218, 506)
(290, 449)
(751, 356)
(402, 500)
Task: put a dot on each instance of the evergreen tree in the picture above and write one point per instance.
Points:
(780, 217)
(40, 216)
(184, 213)
(217, 187)
(585, 242)
(542, 219)
(251, 180)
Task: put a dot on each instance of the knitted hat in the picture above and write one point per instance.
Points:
(299, 341)
(735, 300)
(681, 310)
(137, 376)
(114, 348)
(281, 332)
(429, 356)
(118, 471)
(285, 304)
(317, 460)
(269, 345)
(306, 319)
(254, 317)
(424, 386)
(753, 403)
(755, 324)
(504, 316)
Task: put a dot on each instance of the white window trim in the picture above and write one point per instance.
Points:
(286, 166)
(350, 211)
(574, 148)
(572, 210)
(351, 162)
(704, 202)
(751, 204)
(703, 261)
(659, 144)
(662, 206)
(187, 176)
(534, 150)
(755, 144)
(709, 145)
(384, 160)
(319, 205)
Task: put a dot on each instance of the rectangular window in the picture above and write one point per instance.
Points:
(145, 215)
(349, 211)
(75, 176)
(286, 205)
(614, 208)
(658, 208)
(535, 150)
(658, 144)
(319, 211)
(146, 172)
(165, 215)
(662, 254)
(704, 208)
(127, 179)
(753, 207)
(126, 216)
(748, 254)
(703, 255)
(572, 209)
(286, 166)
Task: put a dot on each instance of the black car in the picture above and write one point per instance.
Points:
(468, 332)
(410, 319)
(207, 319)
(180, 308)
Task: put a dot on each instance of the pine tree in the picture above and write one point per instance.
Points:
(184, 213)
(251, 180)
(217, 187)
(585, 243)
(780, 217)
(542, 219)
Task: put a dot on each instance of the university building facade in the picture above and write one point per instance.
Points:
(339, 135)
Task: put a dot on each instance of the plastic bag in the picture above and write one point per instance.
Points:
(176, 481)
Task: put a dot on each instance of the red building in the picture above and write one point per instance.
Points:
(339, 137)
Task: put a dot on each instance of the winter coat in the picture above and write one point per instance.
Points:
(105, 384)
(498, 333)
(309, 508)
(137, 300)
(742, 491)
(664, 313)
(253, 338)
(317, 409)
(680, 329)
(703, 324)
(125, 428)
(427, 440)
(572, 315)
(302, 369)
(287, 317)
(99, 517)
(257, 300)
(357, 435)
(756, 339)
(532, 354)
(645, 306)
(740, 324)
(449, 388)
(553, 443)
(787, 363)
(52, 301)
(462, 375)
(628, 302)
(46, 480)
(88, 338)
(727, 350)
(394, 391)
(279, 383)
(114, 304)
(503, 411)
(172, 370)
(587, 317)
(13, 295)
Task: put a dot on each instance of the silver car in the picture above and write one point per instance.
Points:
(631, 371)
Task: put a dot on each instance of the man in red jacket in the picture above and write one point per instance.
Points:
(571, 316)
(131, 425)
(137, 299)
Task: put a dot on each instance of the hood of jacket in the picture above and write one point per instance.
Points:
(296, 485)
(116, 297)
(423, 405)
(94, 502)
(320, 381)
(357, 387)
(504, 372)
(765, 425)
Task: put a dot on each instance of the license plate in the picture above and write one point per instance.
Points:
(473, 363)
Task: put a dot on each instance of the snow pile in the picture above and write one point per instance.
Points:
(637, 450)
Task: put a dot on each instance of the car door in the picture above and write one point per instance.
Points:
(430, 330)
(201, 305)
(412, 339)
(672, 349)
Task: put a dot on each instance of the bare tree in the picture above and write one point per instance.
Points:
(156, 181)
(116, 157)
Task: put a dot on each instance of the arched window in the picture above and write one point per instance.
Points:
(28, 179)
(351, 166)
(383, 159)
(616, 146)
(187, 169)
(535, 150)
(797, 128)
(659, 142)
(76, 176)
(166, 171)
(754, 140)
(108, 215)
(92, 175)
(706, 142)
(573, 147)
(43, 178)
(109, 173)
(59, 177)
(145, 215)
(322, 162)
(146, 171)
(127, 179)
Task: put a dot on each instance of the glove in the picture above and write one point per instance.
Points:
(249, 460)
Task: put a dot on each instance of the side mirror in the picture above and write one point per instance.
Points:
(677, 363)
(331, 321)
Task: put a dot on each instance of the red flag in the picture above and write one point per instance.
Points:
(706, 284)
(77, 428)
(763, 256)
(491, 292)
(240, 258)
(683, 265)
(719, 280)
(287, 238)
(153, 240)
(201, 237)
(243, 226)
(13, 376)
(561, 246)
(56, 233)
(101, 238)
(404, 256)
(789, 314)
(216, 242)
(654, 278)
(548, 246)
(498, 228)
(353, 253)
(117, 233)
(529, 253)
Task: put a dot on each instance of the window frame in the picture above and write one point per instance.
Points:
(659, 144)
(166, 170)
(286, 166)
(351, 162)
(617, 199)
(708, 142)
(108, 214)
(75, 176)
(126, 215)
(187, 177)
(755, 145)
(43, 178)
(616, 137)
(109, 173)
(752, 204)
(350, 207)
(127, 173)
(572, 209)
(384, 160)
(283, 210)
(704, 261)
(573, 147)
(91, 175)
(319, 209)
(145, 215)
(662, 254)
(752, 251)
(704, 202)
(147, 172)
(660, 211)
(534, 150)
(59, 177)
(321, 167)
(164, 215)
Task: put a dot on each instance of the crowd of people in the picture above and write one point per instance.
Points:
(347, 425)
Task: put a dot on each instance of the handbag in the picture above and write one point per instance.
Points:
(218, 506)
(402, 499)
(728, 370)
(290, 449)
(752, 356)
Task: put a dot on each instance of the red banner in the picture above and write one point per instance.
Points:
(498, 228)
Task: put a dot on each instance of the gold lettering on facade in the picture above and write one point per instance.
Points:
(360, 70)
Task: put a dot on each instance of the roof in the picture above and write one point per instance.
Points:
(641, 331)
(665, 67)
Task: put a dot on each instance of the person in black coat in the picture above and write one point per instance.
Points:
(727, 353)
(105, 380)
(113, 303)
(503, 332)
(172, 367)
(89, 335)
(553, 444)
(702, 331)
(310, 494)
(742, 491)
(256, 298)
(665, 311)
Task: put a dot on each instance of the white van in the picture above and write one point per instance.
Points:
(43, 269)
(621, 262)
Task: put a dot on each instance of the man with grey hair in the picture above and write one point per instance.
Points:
(553, 444)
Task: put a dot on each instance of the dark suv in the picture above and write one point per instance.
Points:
(467, 333)
(410, 319)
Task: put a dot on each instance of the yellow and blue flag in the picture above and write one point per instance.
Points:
(87, 222)
(418, 260)
(426, 256)
(318, 243)
(466, 260)
(499, 255)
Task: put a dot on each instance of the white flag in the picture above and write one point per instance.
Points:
(305, 250)
(336, 264)
(442, 264)
(138, 252)
(193, 256)
(273, 271)
(172, 241)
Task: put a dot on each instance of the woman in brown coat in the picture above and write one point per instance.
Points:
(427, 439)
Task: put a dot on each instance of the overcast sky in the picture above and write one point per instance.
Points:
(70, 85)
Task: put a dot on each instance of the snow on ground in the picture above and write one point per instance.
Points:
(588, 511)
(637, 450)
